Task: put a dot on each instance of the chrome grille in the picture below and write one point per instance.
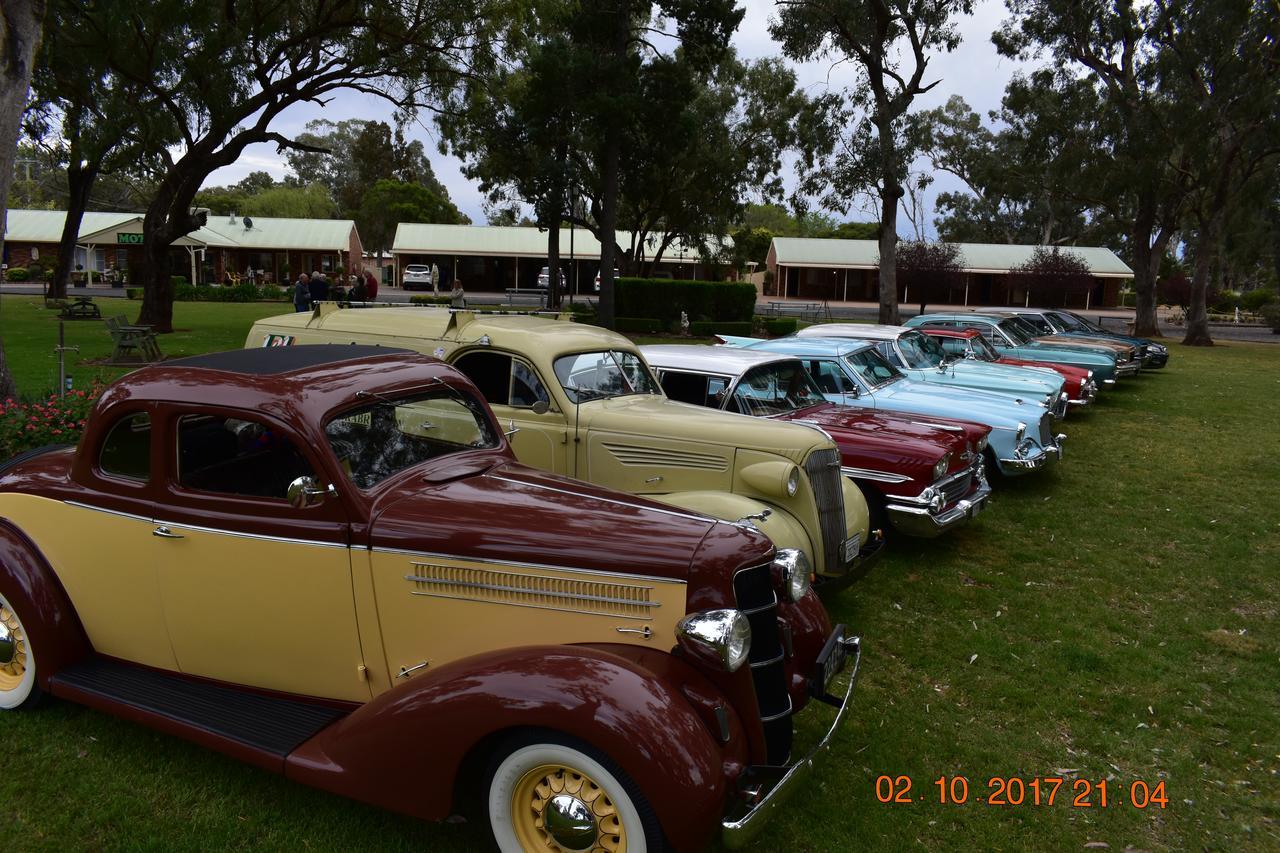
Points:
(757, 599)
(1060, 406)
(956, 486)
(1046, 431)
(823, 468)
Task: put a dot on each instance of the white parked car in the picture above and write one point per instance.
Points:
(615, 278)
(544, 279)
(416, 277)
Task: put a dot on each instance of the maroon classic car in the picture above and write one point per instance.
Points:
(924, 475)
(325, 561)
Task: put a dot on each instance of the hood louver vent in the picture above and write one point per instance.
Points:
(625, 601)
(630, 454)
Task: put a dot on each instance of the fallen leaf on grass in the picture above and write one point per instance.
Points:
(972, 659)
(1096, 845)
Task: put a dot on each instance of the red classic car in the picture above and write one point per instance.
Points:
(325, 561)
(969, 343)
(922, 474)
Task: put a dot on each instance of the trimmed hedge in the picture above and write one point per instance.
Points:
(707, 328)
(1271, 314)
(779, 326)
(663, 299)
(429, 300)
(638, 325)
(17, 274)
(1255, 299)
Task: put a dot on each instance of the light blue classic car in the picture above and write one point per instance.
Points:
(923, 359)
(1068, 324)
(856, 374)
(1011, 335)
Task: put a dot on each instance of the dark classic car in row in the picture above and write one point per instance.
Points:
(327, 562)
(922, 475)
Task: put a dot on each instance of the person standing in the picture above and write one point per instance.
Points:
(370, 286)
(302, 294)
(457, 296)
(318, 287)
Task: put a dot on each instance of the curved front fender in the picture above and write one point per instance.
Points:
(30, 585)
(403, 750)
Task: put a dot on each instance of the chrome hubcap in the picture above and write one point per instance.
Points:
(570, 823)
(8, 645)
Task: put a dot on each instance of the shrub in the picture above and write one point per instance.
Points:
(429, 300)
(1255, 299)
(638, 325)
(1226, 302)
(664, 299)
(178, 280)
(242, 292)
(133, 292)
(17, 274)
(1271, 314)
(779, 326)
(707, 328)
(24, 426)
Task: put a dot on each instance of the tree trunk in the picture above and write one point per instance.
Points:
(20, 30)
(1206, 255)
(80, 180)
(1146, 266)
(890, 193)
(168, 218)
(157, 284)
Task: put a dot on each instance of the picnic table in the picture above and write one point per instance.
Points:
(526, 296)
(82, 308)
(132, 343)
(810, 311)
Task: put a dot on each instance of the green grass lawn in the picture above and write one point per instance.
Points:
(30, 333)
(1116, 619)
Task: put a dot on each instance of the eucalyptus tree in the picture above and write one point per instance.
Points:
(20, 30)
(1141, 182)
(222, 74)
(890, 43)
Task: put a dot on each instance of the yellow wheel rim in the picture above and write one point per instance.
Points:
(13, 650)
(532, 805)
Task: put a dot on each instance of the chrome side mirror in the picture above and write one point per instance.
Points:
(540, 407)
(851, 394)
(305, 492)
(970, 354)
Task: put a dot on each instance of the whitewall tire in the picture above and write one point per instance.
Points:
(17, 661)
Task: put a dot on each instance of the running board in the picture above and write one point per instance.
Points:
(252, 727)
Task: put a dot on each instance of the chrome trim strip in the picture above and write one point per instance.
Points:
(947, 427)
(790, 710)
(519, 565)
(760, 664)
(578, 611)
(616, 502)
(114, 512)
(572, 596)
(239, 534)
(878, 476)
(762, 608)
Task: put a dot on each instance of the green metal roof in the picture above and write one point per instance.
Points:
(975, 257)
(45, 226)
(414, 238)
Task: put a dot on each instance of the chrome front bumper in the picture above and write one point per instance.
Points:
(737, 832)
(1033, 459)
(1088, 394)
(1129, 368)
(914, 520)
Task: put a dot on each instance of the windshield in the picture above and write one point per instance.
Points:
(774, 389)
(1018, 331)
(389, 434)
(1072, 323)
(592, 375)
(983, 349)
(920, 351)
(871, 368)
(1040, 324)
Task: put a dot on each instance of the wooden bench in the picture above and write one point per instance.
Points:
(81, 309)
(132, 343)
(526, 296)
(810, 311)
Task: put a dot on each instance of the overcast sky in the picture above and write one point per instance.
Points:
(974, 71)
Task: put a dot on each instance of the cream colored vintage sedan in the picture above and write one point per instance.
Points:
(581, 401)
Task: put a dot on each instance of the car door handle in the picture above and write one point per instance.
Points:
(165, 533)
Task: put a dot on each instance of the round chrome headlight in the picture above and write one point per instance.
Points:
(795, 571)
(722, 636)
(982, 443)
(940, 467)
(793, 482)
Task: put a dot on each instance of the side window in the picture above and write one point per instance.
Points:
(982, 329)
(687, 387)
(126, 451)
(491, 371)
(236, 456)
(526, 387)
(953, 346)
(830, 377)
(1041, 324)
(886, 349)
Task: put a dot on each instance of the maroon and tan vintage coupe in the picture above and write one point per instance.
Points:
(325, 561)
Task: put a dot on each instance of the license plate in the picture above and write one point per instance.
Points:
(852, 546)
(829, 664)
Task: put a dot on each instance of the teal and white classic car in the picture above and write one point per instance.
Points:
(854, 373)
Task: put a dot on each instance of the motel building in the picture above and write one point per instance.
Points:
(844, 270)
(275, 250)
